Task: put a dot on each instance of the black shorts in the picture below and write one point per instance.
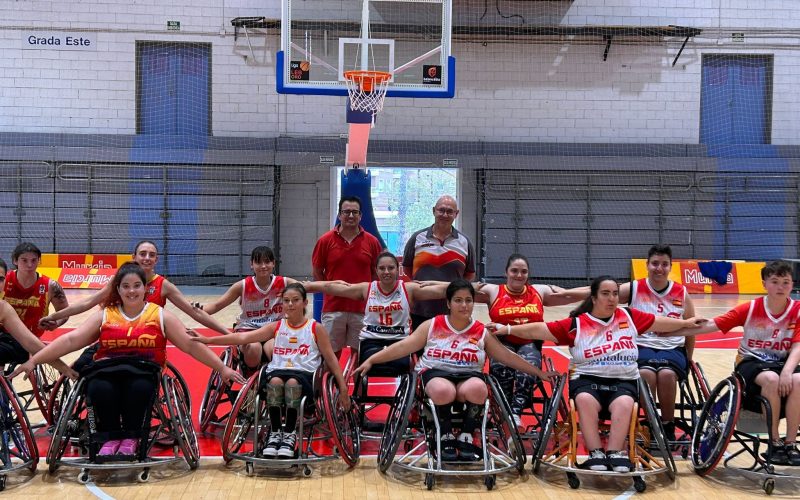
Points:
(455, 378)
(750, 368)
(604, 390)
(305, 378)
(664, 359)
(11, 351)
(368, 347)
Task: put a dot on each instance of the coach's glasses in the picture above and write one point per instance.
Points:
(445, 211)
(354, 213)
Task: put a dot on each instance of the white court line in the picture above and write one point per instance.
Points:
(626, 494)
(96, 491)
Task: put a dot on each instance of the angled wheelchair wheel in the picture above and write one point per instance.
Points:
(43, 381)
(180, 385)
(397, 421)
(181, 421)
(553, 410)
(58, 398)
(502, 423)
(215, 394)
(69, 425)
(716, 425)
(657, 428)
(241, 420)
(17, 444)
(343, 423)
(699, 381)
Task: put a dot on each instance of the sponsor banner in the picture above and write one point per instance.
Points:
(84, 261)
(79, 278)
(744, 278)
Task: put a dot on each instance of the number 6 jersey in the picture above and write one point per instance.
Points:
(603, 348)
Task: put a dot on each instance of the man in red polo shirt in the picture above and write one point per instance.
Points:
(347, 252)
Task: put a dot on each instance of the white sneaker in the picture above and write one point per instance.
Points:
(619, 461)
(273, 444)
(518, 422)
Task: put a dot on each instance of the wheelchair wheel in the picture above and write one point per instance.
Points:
(58, 398)
(180, 385)
(17, 443)
(501, 422)
(657, 429)
(397, 421)
(343, 424)
(68, 426)
(214, 393)
(553, 410)
(43, 381)
(716, 425)
(181, 422)
(241, 420)
(700, 382)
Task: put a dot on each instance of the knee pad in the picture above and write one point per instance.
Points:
(274, 395)
(294, 394)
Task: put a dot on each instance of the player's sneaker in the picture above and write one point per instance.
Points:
(288, 445)
(273, 444)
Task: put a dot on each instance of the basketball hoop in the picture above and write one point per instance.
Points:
(367, 89)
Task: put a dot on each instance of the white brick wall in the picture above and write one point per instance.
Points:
(562, 92)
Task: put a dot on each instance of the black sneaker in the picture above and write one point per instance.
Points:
(597, 461)
(669, 431)
(273, 444)
(618, 461)
(467, 451)
(449, 448)
(778, 456)
(792, 454)
(288, 444)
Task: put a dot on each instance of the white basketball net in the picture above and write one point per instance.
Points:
(361, 100)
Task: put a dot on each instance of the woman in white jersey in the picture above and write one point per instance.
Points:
(387, 315)
(769, 353)
(603, 369)
(260, 299)
(454, 353)
(300, 346)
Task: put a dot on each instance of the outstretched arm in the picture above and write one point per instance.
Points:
(432, 290)
(176, 333)
(175, 296)
(226, 299)
(80, 337)
(533, 331)
(556, 296)
(405, 347)
(506, 357)
(77, 308)
(262, 334)
(16, 328)
(355, 291)
(682, 327)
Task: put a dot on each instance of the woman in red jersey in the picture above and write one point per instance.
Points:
(127, 330)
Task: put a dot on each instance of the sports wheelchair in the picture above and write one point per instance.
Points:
(693, 392)
(17, 447)
(413, 421)
(558, 444)
(219, 397)
(730, 414)
(325, 430)
(36, 397)
(169, 416)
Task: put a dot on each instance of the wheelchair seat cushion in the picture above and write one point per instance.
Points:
(604, 390)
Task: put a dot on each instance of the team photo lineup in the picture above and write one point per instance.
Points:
(309, 381)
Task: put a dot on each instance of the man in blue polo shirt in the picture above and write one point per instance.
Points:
(439, 253)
